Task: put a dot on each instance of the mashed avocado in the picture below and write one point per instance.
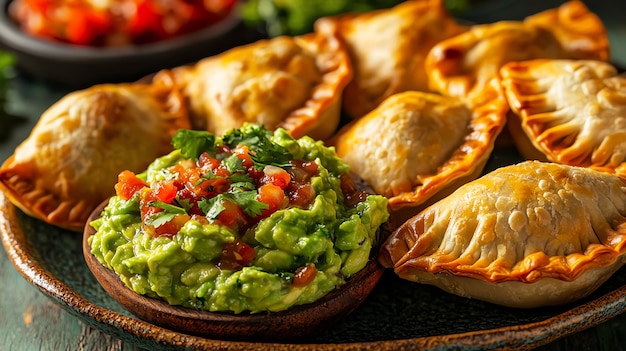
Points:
(252, 221)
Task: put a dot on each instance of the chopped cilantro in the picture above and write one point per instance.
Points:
(212, 207)
(207, 176)
(234, 164)
(168, 213)
(262, 150)
(241, 178)
(184, 203)
(245, 199)
(192, 143)
(248, 202)
(167, 207)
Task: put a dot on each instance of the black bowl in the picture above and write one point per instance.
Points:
(77, 66)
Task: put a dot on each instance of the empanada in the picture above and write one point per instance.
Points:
(388, 48)
(293, 83)
(568, 111)
(70, 162)
(462, 65)
(417, 147)
(525, 235)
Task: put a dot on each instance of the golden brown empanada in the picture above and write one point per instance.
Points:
(388, 48)
(526, 235)
(417, 147)
(462, 65)
(568, 111)
(70, 162)
(293, 83)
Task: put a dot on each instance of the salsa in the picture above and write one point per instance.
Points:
(111, 23)
(252, 221)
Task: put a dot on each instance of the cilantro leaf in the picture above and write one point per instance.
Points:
(167, 207)
(260, 162)
(248, 202)
(209, 175)
(234, 164)
(263, 150)
(212, 207)
(245, 199)
(240, 178)
(184, 203)
(158, 219)
(168, 213)
(192, 143)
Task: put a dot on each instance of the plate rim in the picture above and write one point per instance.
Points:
(520, 336)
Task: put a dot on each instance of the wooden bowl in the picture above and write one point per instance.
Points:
(289, 325)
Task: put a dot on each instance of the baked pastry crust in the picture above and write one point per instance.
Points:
(70, 162)
(525, 235)
(388, 49)
(293, 83)
(416, 147)
(568, 111)
(462, 65)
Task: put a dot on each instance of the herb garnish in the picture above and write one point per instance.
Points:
(169, 212)
(262, 150)
(192, 143)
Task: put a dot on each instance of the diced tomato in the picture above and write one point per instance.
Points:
(243, 153)
(172, 227)
(236, 255)
(255, 174)
(128, 184)
(165, 191)
(232, 215)
(301, 194)
(277, 176)
(205, 161)
(87, 27)
(209, 187)
(304, 275)
(302, 171)
(147, 211)
(350, 193)
(222, 172)
(273, 196)
(147, 23)
(186, 194)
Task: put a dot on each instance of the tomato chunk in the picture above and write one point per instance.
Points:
(232, 215)
(304, 275)
(276, 175)
(236, 255)
(273, 196)
(128, 184)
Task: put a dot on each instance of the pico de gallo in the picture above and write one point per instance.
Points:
(250, 221)
(113, 23)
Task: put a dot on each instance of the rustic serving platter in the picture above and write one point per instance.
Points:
(397, 314)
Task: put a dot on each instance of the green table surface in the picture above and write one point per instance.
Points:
(31, 321)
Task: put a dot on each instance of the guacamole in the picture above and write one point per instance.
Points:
(250, 221)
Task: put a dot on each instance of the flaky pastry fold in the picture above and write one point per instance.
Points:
(388, 48)
(526, 235)
(295, 83)
(463, 65)
(70, 162)
(568, 111)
